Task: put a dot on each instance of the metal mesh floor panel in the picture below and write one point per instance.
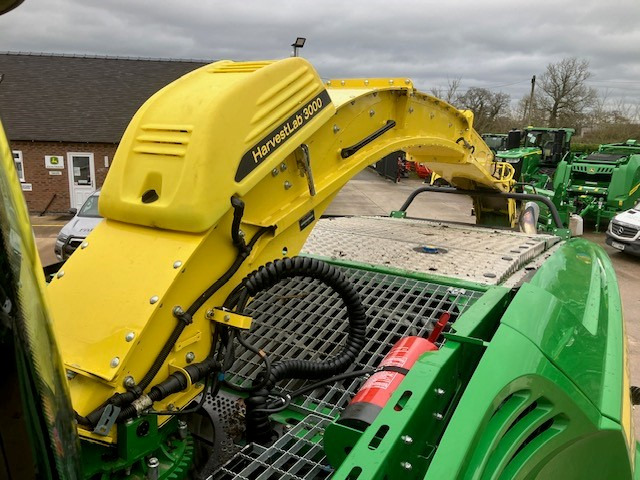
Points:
(301, 318)
(297, 455)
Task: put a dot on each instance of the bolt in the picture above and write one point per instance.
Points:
(209, 314)
(283, 167)
(60, 274)
(226, 318)
(71, 374)
(115, 361)
(410, 109)
(154, 299)
(366, 82)
(182, 429)
(152, 472)
(130, 336)
(391, 82)
(406, 439)
(438, 416)
(406, 465)
(407, 81)
(190, 357)
(287, 185)
(178, 311)
(171, 406)
(275, 172)
(372, 113)
(342, 82)
(241, 233)
(177, 264)
(439, 391)
(84, 245)
(129, 382)
(336, 129)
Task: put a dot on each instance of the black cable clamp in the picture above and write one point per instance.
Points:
(184, 317)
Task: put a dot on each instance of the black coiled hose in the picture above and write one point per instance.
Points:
(258, 427)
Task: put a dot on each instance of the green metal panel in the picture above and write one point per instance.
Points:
(571, 310)
(521, 417)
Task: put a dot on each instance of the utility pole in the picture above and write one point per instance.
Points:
(533, 86)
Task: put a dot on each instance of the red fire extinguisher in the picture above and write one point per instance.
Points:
(377, 390)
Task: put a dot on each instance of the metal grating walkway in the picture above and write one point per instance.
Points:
(483, 255)
(300, 318)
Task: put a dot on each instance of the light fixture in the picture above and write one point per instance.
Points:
(299, 43)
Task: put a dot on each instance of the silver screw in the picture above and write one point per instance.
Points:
(336, 129)
(152, 472)
(84, 245)
(283, 167)
(177, 310)
(275, 172)
(439, 391)
(438, 416)
(226, 318)
(154, 299)
(366, 82)
(209, 314)
(407, 81)
(287, 185)
(190, 357)
(391, 82)
(177, 264)
(410, 109)
(129, 381)
(115, 361)
(60, 274)
(328, 82)
(241, 233)
(71, 374)
(406, 465)
(372, 113)
(342, 82)
(182, 429)
(406, 439)
(130, 336)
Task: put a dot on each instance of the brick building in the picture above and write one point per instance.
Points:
(65, 114)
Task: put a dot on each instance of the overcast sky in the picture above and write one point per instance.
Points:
(494, 44)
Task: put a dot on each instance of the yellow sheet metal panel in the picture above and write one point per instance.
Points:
(184, 143)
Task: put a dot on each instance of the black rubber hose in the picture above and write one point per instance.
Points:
(272, 273)
(257, 417)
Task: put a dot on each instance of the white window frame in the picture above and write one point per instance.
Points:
(20, 159)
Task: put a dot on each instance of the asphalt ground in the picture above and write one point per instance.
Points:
(370, 194)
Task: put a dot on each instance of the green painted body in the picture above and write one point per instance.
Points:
(139, 439)
(544, 399)
(596, 188)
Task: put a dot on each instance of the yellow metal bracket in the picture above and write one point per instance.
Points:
(232, 319)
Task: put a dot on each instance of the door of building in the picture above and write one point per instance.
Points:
(82, 177)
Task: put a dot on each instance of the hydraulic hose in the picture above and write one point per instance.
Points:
(258, 427)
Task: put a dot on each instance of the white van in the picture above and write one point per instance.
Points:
(624, 231)
(82, 224)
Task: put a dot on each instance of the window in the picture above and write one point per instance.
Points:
(17, 159)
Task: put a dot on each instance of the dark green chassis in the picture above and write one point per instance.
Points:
(529, 384)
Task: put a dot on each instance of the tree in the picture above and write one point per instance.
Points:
(565, 96)
(486, 106)
(449, 94)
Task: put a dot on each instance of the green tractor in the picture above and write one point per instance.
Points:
(535, 152)
(599, 185)
(497, 142)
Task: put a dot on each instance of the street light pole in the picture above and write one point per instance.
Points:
(299, 43)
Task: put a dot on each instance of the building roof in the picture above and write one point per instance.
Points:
(73, 98)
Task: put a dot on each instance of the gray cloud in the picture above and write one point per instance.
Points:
(493, 44)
